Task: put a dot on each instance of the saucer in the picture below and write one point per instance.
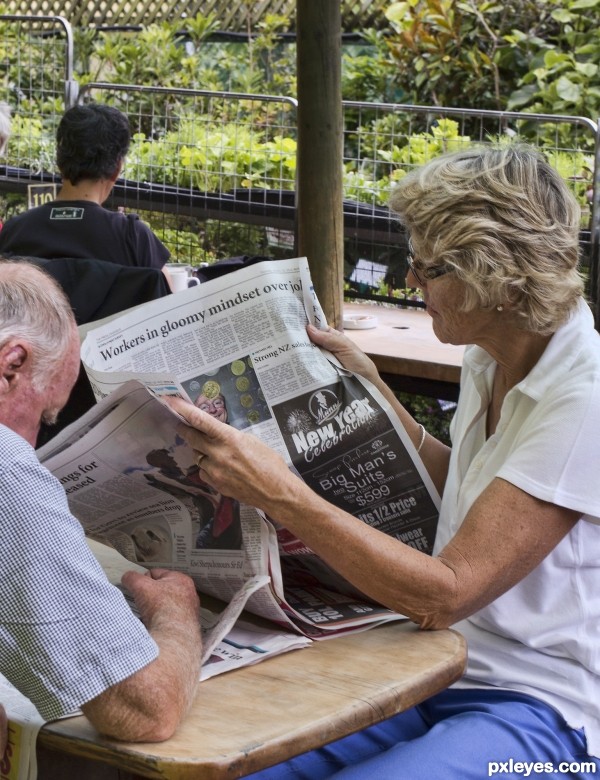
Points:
(360, 321)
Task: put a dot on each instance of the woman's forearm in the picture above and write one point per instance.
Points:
(389, 572)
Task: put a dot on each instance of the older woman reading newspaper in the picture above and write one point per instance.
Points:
(516, 564)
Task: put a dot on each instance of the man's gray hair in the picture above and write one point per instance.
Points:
(33, 307)
(4, 126)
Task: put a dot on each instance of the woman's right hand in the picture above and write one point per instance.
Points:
(235, 463)
(345, 350)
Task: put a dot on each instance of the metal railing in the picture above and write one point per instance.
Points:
(206, 166)
(383, 140)
(36, 80)
(37, 59)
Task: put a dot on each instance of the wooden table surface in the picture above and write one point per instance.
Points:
(404, 345)
(254, 717)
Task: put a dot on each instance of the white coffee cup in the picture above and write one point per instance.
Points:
(180, 279)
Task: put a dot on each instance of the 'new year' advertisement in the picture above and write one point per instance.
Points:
(346, 448)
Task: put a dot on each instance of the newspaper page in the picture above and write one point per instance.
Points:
(227, 642)
(237, 347)
(133, 484)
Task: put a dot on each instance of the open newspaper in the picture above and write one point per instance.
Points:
(237, 347)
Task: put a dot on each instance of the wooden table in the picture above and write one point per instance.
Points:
(254, 717)
(406, 351)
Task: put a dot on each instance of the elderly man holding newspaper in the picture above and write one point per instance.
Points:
(68, 638)
(516, 564)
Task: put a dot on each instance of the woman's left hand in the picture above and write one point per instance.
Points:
(345, 350)
(236, 464)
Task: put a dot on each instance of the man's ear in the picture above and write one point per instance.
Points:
(14, 357)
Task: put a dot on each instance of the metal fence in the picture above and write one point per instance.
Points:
(214, 172)
(36, 80)
(383, 141)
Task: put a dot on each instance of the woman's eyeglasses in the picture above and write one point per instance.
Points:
(425, 274)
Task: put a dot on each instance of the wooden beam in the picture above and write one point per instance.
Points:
(319, 183)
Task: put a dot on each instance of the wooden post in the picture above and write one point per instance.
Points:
(595, 231)
(319, 174)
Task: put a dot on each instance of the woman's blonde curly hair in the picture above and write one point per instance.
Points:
(507, 223)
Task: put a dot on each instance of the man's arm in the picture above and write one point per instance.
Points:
(149, 705)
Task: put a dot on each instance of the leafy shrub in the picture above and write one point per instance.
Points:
(563, 61)
(433, 414)
(32, 143)
(213, 158)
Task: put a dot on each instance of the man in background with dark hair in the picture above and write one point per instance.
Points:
(92, 142)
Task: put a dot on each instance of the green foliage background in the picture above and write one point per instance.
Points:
(539, 56)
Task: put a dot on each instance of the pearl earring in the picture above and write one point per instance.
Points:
(499, 307)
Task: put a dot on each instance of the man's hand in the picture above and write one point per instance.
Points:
(160, 594)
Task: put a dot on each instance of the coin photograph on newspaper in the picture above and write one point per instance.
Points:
(231, 393)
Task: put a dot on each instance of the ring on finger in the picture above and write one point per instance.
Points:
(200, 458)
